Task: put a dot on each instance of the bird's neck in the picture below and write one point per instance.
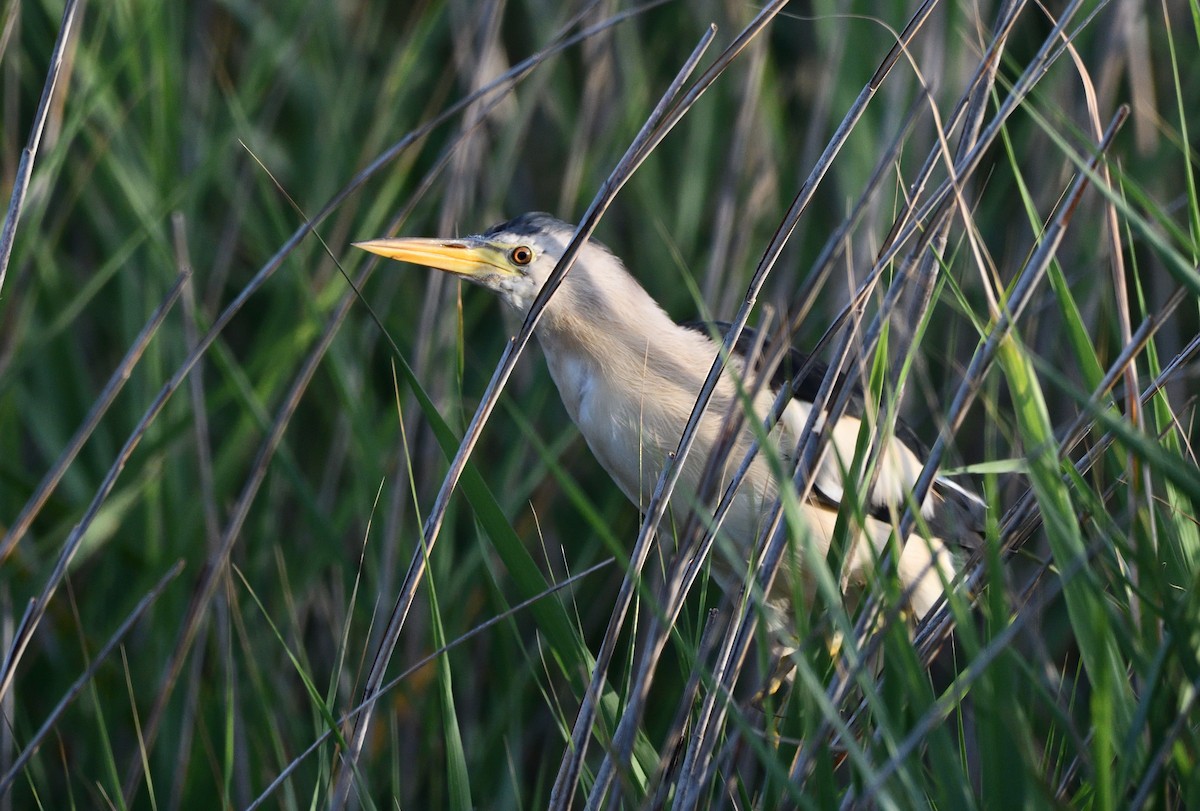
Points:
(617, 332)
(614, 321)
(628, 377)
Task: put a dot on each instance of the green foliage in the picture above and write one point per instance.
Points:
(293, 466)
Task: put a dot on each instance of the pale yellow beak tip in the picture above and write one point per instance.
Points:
(372, 245)
(461, 257)
(400, 250)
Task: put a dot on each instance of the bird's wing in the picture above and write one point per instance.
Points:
(951, 511)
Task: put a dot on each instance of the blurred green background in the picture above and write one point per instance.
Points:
(202, 135)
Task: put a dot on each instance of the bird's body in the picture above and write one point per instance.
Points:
(629, 377)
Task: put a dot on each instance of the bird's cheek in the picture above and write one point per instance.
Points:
(509, 292)
(519, 299)
(521, 293)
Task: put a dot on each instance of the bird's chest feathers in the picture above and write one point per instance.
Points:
(576, 379)
(624, 422)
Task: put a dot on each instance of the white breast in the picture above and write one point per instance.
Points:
(632, 421)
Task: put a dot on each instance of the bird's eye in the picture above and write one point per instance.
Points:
(521, 255)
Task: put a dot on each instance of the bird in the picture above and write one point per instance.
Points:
(629, 375)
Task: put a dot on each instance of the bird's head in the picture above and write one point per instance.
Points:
(514, 258)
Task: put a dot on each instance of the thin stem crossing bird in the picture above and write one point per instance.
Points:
(629, 376)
